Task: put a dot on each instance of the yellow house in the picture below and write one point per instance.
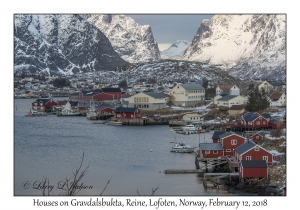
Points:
(236, 110)
(191, 117)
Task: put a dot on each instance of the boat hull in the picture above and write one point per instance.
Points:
(114, 123)
(183, 150)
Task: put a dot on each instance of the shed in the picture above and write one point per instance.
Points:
(253, 169)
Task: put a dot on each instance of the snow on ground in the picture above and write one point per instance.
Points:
(199, 108)
(272, 138)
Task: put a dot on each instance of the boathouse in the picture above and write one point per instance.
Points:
(210, 150)
(127, 113)
(116, 93)
(258, 136)
(43, 104)
(253, 169)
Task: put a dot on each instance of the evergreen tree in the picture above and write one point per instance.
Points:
(257, 102)
(123, 84)
(264, 100)
(251, 103)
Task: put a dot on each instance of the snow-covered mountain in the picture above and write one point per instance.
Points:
(246, 46)
(164, 71)
(61, 44)
(176, 50)
(133, 42)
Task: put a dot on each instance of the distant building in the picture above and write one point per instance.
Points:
(187, 94)
(228, 89)
(147, 100)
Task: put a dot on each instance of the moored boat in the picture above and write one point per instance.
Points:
(69, 112)
(114, 122)
(182, 147)
(35, 113)
(188, 128)
(91, 114)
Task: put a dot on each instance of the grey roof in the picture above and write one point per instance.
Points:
(211, 146)
(236, 107)
(230, 133)
(121, 109)
(100, 106)
(84, 104)
(275, 83)
(254, 163)
(265, 115)
(245, 147)
(156, 95)
(250, 118)
(192, 86)
(227, 98)
(216, 134)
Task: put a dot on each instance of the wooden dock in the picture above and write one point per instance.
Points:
(183, 171)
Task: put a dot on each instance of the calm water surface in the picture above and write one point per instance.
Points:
(52, 147)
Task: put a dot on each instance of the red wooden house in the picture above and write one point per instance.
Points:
(276, 124)
(253, 120)
(115, 92)
(105, 110)
(96, 95)
(253, 169)
(43, 104)
(258, 136)
(127, 113)
(211, 150)
(252, 151)
(230, 141)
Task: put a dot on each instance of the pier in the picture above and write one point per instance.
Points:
(183, 171)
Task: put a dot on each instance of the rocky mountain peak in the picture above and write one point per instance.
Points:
(244, 45)
(61, 44)
(133, 42)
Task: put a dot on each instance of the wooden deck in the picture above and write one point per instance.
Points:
(183, 171)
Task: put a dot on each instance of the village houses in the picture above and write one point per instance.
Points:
(187, 94)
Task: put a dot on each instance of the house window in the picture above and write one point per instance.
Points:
(265, 158)
(250, 123)
(207, 151)
(233, 142)
(215, 152)
(228, 150)
(256, 149)
(248, 157)
(257, 137)
(219, 140)
(257, 123)
(264, 122)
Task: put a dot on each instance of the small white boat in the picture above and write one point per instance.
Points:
(188, 128)
(182, 147)
(69, 112)
(91, 114)
(114, 122)
(33, 113)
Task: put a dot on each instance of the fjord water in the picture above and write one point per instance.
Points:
(52, 147)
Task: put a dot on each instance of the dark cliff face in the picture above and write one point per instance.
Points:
(61, 44)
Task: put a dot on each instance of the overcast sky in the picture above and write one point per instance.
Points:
(167, 29)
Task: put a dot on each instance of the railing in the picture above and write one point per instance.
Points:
(233, 164)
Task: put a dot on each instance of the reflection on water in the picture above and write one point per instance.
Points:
(52, 147)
